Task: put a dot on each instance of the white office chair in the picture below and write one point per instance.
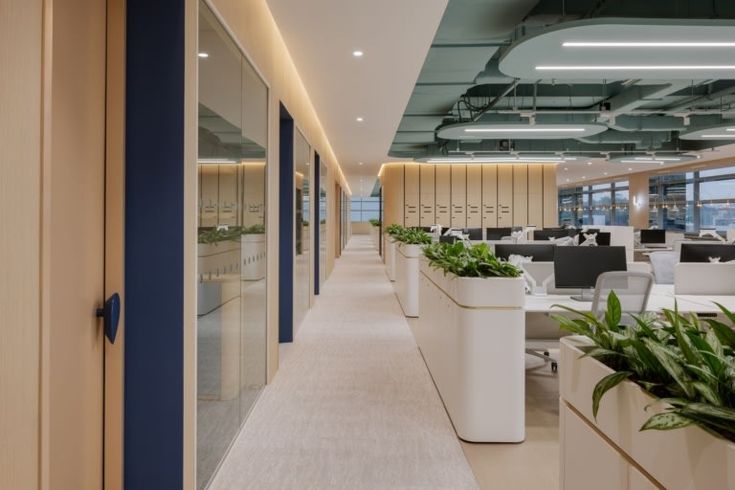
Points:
(632, 289)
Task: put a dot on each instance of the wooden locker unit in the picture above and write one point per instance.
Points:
(489, 196)
(427, 202)
(505, 195)
(227, 195)
(392, 180)
(443, 186)
(520, 195)
(411, 194)
(459, 196)
(550, 197)
(536, 196)
(208, 194)
(474, 196)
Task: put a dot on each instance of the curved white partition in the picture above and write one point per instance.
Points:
(472, 336)
(407, 277)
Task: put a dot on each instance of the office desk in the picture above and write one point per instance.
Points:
(662, 297)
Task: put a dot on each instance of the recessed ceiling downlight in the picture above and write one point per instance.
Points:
(203, 55)
(519, 131)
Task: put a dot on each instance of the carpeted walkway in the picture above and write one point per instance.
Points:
(352, 405)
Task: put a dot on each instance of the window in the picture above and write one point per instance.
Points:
(599, 204)
(364, 209)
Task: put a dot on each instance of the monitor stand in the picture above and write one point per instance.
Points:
(584, 297)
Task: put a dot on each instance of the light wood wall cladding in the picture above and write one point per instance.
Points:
(505, 195)
(443, 189)
(470, 196)
(459, 196)
(229, 210)
(474, 196)
(411, 198)
(427, 202)
(232, 195)
(490, 196)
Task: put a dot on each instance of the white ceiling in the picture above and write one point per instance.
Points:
(395, 36)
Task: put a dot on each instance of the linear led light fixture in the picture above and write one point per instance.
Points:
(497, 160)
(632, 67)
(616, 44)
(524, 130)
(218, 161)
(641, 161)
(657, 159)
(718, 136)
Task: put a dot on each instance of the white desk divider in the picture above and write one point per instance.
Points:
(704, 278)
(390, 257)
(471, 332)
(407, 277)
(539, 276)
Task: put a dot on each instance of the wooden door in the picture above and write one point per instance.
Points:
(73, 245)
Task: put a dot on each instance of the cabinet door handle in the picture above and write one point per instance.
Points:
(110, 314)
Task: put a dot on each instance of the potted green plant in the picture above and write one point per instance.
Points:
(471, 332)
(660, 388)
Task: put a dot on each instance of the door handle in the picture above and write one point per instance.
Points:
(110, 314)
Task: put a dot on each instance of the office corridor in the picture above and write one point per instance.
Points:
(353, 405)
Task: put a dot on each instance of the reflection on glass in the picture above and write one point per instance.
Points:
(322, 222)
(302, 256)
(231, 302)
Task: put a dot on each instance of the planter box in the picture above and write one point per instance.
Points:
(253, 257)
(218, 269)
(407, 277)
(390, 257)
(617, 455)
(471, 333)
(375, 235)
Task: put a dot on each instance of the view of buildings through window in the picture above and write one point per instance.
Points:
(687, 201)
(364, 209)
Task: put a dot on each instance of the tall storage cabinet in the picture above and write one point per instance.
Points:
(459, 196)
(427, 202)
(464, 196)
(474, 196)
(411, 195)
(443, 194)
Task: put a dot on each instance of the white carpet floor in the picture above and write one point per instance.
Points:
(353, 405)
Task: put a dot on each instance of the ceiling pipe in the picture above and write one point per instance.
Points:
(497, 99)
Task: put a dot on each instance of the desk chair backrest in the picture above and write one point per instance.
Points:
(632, 288)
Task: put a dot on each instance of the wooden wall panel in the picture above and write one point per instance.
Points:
(536, 195)
(393, 194)
(474, 196)
(551, 197)
(443, 186)
(505, 195)
(489, 196)
(459, 196)
(411, 194)
(520, 195)
(427, 202)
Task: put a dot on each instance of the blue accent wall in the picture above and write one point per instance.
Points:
(317, 219)
(154, 230)
(285, 228)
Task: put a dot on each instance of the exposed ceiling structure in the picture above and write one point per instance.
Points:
(624, 80)
(393, 36)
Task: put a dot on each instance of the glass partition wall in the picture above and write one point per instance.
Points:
(231, 263)
(302, 234)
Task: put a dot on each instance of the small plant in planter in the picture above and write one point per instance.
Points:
(688, 365)
(463, 261)
(215, 235)
(374, 222)
(412, 236)
(257, 229)
(394, 229)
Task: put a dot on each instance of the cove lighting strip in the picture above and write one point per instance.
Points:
(606, 44)
(524, 130)
(633, 67)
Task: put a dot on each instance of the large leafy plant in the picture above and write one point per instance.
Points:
(394, 229)
(474, 261)
(412, 236)
(374, 222)
(689, 365)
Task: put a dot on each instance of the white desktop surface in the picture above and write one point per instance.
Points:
(662, 297)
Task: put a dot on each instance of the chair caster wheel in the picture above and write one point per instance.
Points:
(554, 367)
(546, 353)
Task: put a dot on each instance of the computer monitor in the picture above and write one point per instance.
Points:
(700, 252)
(448, 239)
(474, 233)
(548, 233)
(498, 233)
(578, 267)
(540, 253)
(602, 239)
(653, 236)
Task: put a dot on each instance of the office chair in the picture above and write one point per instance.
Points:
(632, 289)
